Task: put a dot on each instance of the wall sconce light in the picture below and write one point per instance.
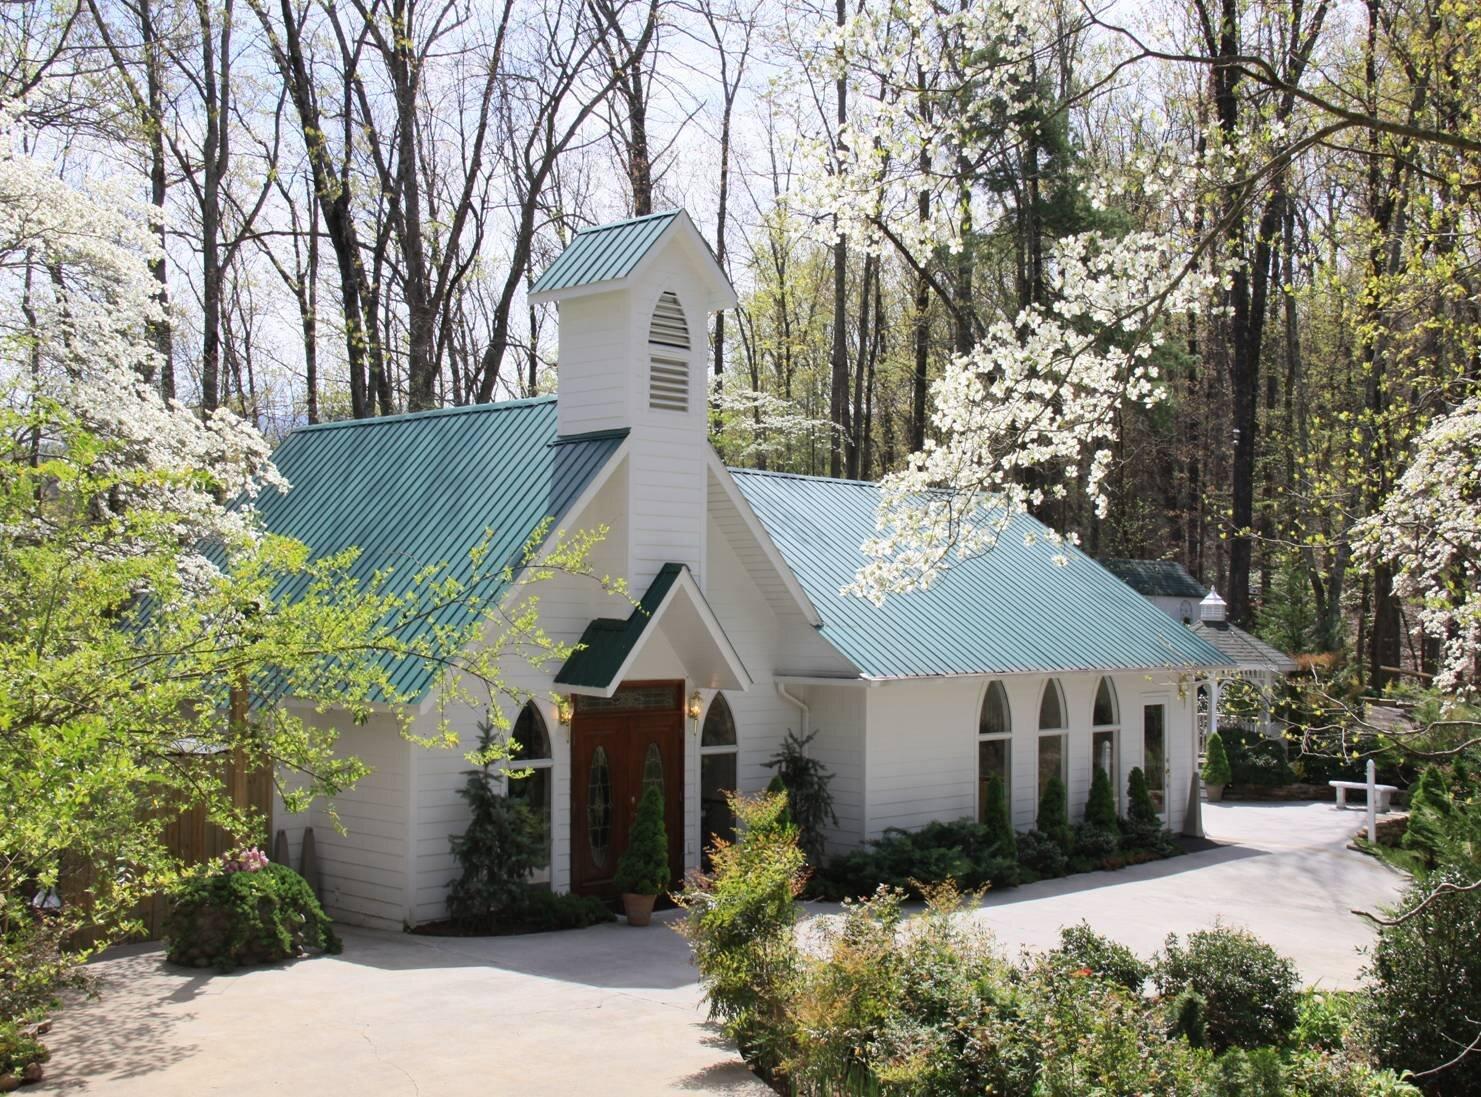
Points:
(563, 711)
(696, 705)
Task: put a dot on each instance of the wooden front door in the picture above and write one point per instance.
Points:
(620, 745)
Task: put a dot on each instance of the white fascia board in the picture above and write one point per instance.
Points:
(720, 294)
(826, 680)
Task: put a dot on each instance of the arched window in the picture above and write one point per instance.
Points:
(1051, 707)
(1052, 725)
(994, 740)
(717, 773)
(531, 756)
(668, 355)
(1105, 734)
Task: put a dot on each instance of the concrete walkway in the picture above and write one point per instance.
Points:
(614, 1010)
(1282, 871)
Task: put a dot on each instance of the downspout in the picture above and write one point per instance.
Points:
(781, 689)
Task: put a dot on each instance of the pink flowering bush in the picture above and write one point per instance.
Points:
(244, 860)
(253, 913)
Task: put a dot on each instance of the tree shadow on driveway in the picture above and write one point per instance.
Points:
(123, 1029)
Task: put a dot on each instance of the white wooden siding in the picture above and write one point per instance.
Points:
(363, 870)
(593, 367)
(838, 715)
(922, 746)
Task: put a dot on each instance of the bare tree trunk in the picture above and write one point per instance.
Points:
(331, 190)
(838, 406)
(215, 159)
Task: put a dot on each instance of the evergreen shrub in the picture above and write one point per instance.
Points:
(232, 919)
(643, 868)
(1054, 812)
(1216, 761)
(1249, 990)
(502, 847)
(1424, 984)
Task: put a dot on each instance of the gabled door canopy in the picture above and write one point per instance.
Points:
(673, 605)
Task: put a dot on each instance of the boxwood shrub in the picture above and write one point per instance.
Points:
(230, 919)
(1249, 991)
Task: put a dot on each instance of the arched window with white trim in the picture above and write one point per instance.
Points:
(994, 745)
(1053, 728)
(1105, 733)
(531, 756)
(668, 355)
(717, 773)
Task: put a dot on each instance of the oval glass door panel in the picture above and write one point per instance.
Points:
(599, 807)
(653, 769)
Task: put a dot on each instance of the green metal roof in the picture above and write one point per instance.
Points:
(1011, 610)
(425, 488)
(608, 641)
(604, 253)
(1156, 578)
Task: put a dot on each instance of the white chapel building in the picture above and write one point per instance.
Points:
(1008, 666)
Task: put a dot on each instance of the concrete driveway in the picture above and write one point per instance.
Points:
(1283, 871)
(614, 1010)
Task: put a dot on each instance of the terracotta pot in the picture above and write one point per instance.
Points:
(639, 908)
(1215, 793)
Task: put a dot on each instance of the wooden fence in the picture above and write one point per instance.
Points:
(194, 839)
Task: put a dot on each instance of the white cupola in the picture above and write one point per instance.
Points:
(634, 300)
(1213, 610)
(633, 354)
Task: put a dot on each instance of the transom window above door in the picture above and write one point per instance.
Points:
(663, 696)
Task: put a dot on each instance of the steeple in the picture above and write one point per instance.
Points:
(634, 300)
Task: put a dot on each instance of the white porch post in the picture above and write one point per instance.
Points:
(1193, 817)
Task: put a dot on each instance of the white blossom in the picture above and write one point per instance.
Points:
(1034, 404)
(1429, 531)
(75, 328)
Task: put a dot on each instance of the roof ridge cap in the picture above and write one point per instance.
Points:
(630, 221)
(802, 476)
(428, 413)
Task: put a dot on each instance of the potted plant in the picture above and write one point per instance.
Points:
(643, 871)
(1216, 771)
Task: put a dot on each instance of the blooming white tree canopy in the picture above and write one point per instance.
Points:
(934, 93)
(75, 320)
(751, 424)
(1429, 530)
(1032, 406)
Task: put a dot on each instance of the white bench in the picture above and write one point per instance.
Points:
(1382, 793)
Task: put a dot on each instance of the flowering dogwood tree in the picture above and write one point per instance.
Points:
(1031, 399)
(141, 601)
(1429, 530)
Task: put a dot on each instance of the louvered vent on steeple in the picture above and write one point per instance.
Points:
(668, 374)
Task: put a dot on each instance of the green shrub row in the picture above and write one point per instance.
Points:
(873, 1002)
(974, 854)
